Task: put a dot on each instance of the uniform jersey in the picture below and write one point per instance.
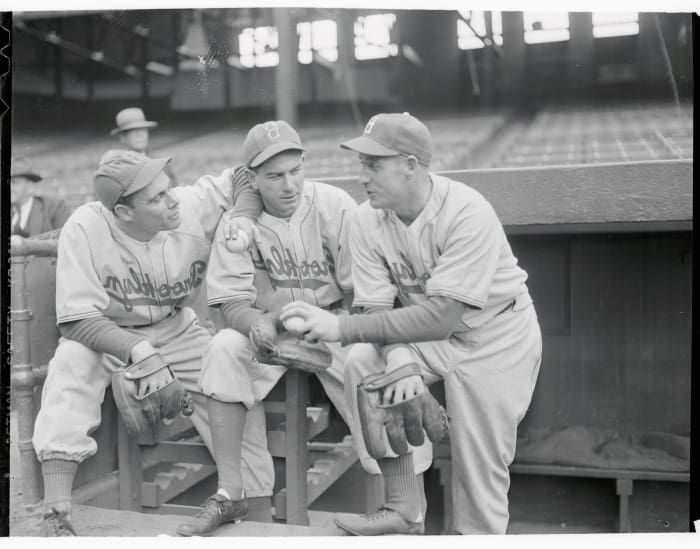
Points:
(103, 271)
(456, 248)
(304, 258)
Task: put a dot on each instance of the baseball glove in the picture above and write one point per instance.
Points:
(405, 422)
(142, 414)
(285, 349)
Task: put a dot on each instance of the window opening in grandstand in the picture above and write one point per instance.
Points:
(545, 27)
(373, 36)
(258, 47)
(467, 40)
(615, 24)
(320, 37)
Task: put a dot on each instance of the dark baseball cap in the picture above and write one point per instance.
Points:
(122, 173)
(267, 140)
(391, 134)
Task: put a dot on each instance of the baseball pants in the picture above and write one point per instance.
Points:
(78, 377)
(489, 380)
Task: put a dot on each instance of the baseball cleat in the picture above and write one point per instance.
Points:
(216, 511)
(382, 522)
(56, 524)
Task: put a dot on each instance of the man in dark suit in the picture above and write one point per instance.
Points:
(32, 213)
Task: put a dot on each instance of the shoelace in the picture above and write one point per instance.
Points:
(59, 522)
(379, 513)
(211, 502)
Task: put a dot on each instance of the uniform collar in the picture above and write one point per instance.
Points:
(434, 202)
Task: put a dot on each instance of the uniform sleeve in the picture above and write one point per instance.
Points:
(370, 274)
(211, 196)
(230, 276)
(344, 262)
(467, 265)
(79, 291)
(102, 336)
(431, 320)
(246, 200)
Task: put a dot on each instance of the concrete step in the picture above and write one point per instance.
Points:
(96, 521)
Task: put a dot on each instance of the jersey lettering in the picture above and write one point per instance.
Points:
(403, 273)
(285, 272)
(137, 289)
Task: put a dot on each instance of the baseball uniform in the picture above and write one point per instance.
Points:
(303, 258)
(455, 248)
(145, 288)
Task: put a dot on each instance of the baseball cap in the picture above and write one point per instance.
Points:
(122, 173)
(391, 134)
(268, 139)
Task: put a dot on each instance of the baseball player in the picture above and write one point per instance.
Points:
(302, 254)
(466, 318)
(128, 268)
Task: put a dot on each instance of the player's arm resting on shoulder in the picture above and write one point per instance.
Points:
(431, 320)
(102, 335)
(246, 200)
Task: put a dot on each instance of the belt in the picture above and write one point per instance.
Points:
(133, 326)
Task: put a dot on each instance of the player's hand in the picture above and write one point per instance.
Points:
(233, 224)
(317, 324)
(403, 389)
(155, 381)
(141, 350)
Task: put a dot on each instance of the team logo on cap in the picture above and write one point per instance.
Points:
(370, 124)
(273, 131)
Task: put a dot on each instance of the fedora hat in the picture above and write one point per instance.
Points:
(20, 167)
(131, 119)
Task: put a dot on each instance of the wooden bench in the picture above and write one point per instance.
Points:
(624, 481)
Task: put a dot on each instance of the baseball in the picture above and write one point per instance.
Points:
(238, 245)
(294, 324)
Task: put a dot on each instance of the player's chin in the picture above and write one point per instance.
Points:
(374, 201)
(173, 221)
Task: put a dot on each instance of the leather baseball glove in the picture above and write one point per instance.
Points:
(142, 414)
(285, 349)
(405, 422)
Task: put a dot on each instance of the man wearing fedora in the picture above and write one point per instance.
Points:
(32, 213)
(133, 133)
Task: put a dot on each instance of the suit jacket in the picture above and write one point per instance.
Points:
(47, 213)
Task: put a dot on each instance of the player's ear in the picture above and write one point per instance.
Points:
(250, 174)
(412, 162)
(123, 211)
